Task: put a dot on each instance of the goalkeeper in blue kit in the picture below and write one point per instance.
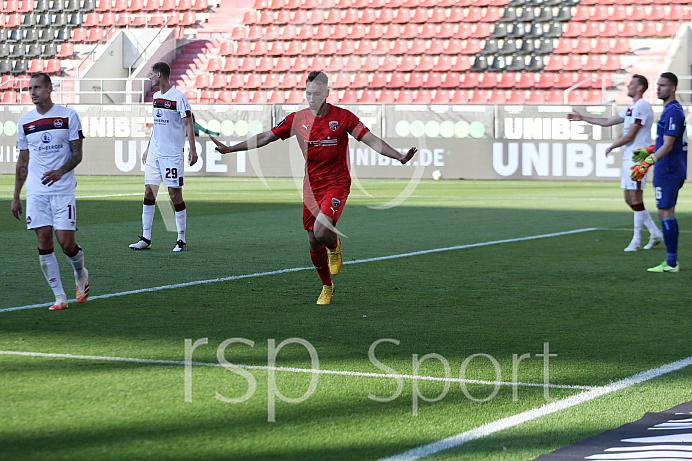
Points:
(669, 154)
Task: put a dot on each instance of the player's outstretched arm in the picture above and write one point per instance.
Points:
(579, 117)
(380, 146)
(254, 142)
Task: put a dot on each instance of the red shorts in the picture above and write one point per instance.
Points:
(329, 201)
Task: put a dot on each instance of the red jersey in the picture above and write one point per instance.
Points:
(324, 142)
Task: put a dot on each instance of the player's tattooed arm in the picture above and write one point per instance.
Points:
(53, 176)
(19, 180)
(75, 157)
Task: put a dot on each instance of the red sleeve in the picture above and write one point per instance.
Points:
(356, 127)
(283, 128)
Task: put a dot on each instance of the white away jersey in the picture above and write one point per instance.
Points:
(168, 138)
(47, 137)
(640, 113)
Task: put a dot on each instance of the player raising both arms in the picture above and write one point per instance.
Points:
(322, 132)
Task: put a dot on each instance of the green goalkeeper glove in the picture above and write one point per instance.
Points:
(640, 169)
(640, 154)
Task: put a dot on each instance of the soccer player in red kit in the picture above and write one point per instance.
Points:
(322, 132)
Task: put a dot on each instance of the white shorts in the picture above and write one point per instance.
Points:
(56, 211)
(168, 170)
(625, 180)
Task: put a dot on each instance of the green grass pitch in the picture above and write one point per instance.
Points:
(474, 308)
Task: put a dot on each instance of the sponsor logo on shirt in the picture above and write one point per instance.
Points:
(46, 138)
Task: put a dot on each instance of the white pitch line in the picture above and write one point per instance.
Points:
(529, 415)
(297, 269)
(293, 370)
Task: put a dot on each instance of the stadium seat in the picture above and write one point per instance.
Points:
(271, 81)
(433, 80)
(526, 80)
(265, 64)
(230, 64)
(202, 81)
(386, 97)
(516, 97)
(554, 97)
(248, 64)
(277, 97)
(460, 97)
(415, 80)
(36, 65)
(497, 96)
(259, 97)
(479, 97)
(218, 81)
(236, 81)
(397, 80)
(371, 64)
(66, 50)
(575, 97)
(471, 80)
(9, 97)
(335, 64)
(207, 97)
(53, 66)
(422, 97)
(242, 97)
(291, 81)
(461, 64)
(509, 80)
(379, 80)
(368, 97)
(225, 97)
(489, 80)
(537, 97)
(564, 80)
(389, 64)
(440, 97)
(349, 97)
(340, 81)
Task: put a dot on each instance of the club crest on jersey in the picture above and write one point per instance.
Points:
(334, 125)
(46, 138)
(167, 104)
(629, 112)
(336, 202)
(57, 123)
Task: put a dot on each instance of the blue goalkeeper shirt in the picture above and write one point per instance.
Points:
(672, 123)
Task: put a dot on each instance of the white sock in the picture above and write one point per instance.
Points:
(147, 220)
(181, 223)
(77, 262)
(650, 224)
(638, 220)
(49, 266)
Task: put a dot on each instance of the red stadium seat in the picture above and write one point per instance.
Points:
(461, 64)
(259, 97)
(277, 97)
(219, 81)
(230, 64)
(564, 80)
(508, 80)
(225, 97)
(202, 81)
(422, 97)
(368, 97)
(397, 80)
(537, 97)
(516, 97)
(479, 97)
(442, 97)
(386, 97)
(415, 80)
(9, 97)
(471, 80)
(271, 81)
(389, 64)
(404, 97)
(36, 65)
(242, 97)
(460, 97)
(349, 97)
(497, 96)
(489, 80)
(236, 82)
(66, 50)
(555, 97)
(526, 80)
(207, 97)
(451, 80)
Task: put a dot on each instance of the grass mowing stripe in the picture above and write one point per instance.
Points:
(297, 269)
(293, 370)
(516, 420)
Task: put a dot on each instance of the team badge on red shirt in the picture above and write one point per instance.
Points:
(334, 125)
